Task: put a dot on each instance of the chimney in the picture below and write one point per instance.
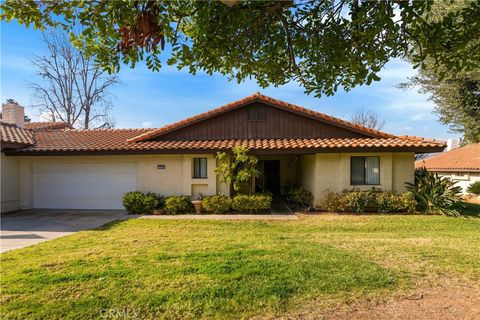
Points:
(453, 144)
(13, 113)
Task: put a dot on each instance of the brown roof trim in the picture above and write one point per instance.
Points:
(258, 97)
(394, 149)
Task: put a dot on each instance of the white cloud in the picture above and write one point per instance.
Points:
(407, 128)
(147, 124)
(421, 116)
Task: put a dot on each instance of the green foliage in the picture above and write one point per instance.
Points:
(388, 202)
(251, 202)
(218, 203)
(301, 197)
(369, 201)
(474, 188)
(178, 204)
(237, 170)
(435, 194)
(136, 202)
(356, 37)
(455, 92)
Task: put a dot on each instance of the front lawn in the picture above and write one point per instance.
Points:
(235, 269)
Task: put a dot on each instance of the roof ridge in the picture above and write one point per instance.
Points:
(251, 98)
(107, 129)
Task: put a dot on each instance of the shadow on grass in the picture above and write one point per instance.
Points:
(470, 210)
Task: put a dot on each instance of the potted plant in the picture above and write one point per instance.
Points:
(197, 203)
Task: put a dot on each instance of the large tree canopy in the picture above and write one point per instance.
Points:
(323, 45)
(456, 93)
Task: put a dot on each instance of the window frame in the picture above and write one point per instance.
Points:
(199, 161)
(255, 112)
(364, 171)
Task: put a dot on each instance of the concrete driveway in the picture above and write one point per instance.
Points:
(25, 228)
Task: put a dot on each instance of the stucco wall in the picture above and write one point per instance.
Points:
(10, 193)
(319, 173)
(330, 172)
(175, 179)
(288, 169)
(307, 172)
(462, 179)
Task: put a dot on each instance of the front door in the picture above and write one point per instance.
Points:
(271, 173)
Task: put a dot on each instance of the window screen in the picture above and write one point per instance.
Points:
(365, 170)
(257, 114)
(199, 168)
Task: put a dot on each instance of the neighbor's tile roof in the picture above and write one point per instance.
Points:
(465, 158)
(262, 98)
(118, 140)
(37, 126)
(10, 133)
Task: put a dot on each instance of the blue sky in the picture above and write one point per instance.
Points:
(153, 99)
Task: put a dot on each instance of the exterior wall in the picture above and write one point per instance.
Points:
(307, 167)
(10, 193)
(463, 179)
(319, 173)
(330, 172)
(278, 124)
(175, 179)
(288, 169)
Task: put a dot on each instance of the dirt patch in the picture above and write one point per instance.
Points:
(425, 303)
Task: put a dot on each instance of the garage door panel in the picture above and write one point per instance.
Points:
(82, 186)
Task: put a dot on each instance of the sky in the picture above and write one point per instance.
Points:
(153, 99)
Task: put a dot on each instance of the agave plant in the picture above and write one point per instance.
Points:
(435, 194)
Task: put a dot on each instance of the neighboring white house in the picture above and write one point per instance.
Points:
(461, 165)
(50, 166)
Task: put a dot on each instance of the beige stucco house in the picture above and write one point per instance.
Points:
(462, 165)
(47, 165)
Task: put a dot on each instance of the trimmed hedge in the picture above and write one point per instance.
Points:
(357, 201)
(136, 202)
(217, 204)
(252, 202)
(178, 204)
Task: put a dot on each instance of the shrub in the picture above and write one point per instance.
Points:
(360, 201)
(301, 197)
(388, 202)
(252, 202)
(434, 194)
(474, 188)
(136, 202)
(178, 204)
(218, 203)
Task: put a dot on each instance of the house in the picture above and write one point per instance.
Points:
(57, 167)
(461, 165)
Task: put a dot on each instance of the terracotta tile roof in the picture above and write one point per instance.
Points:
(262, 98)
(37, 126)
(10, 133)
(118, 140)
(465, 158)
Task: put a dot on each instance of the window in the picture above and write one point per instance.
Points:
(365, 170)
(199, 168)
(257, 114)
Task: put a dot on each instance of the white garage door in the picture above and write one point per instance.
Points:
(82, 185)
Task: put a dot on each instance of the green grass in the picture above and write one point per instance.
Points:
(234, 269)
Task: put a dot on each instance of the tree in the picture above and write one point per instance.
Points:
(321, 44)
(71, 88)
(367, 118)
(238, 170)
(456, 93)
